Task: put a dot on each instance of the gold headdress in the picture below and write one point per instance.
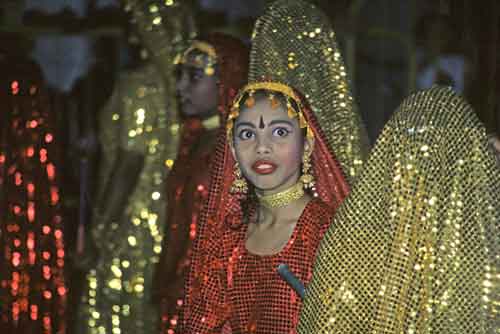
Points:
(412, 249)
(293, 104)
(294, 44)
(206, 50)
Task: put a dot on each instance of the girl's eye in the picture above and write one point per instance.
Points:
(246, 134)
(281, 132)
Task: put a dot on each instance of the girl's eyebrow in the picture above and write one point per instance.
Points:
(278, 121)
(245, 124)
(274, 122)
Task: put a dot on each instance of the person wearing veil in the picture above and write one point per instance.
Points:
(277, 178)
(413, 247)
(139, 139)
(211, 71)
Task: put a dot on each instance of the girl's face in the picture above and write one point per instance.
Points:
(268, 146)
(197, 91)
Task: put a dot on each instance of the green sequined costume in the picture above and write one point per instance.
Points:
(140, 119)
(414, 248)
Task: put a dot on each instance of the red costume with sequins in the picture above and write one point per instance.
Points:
(229, 286)
(33, 290)
(188, 181)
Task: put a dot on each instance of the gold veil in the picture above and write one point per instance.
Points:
(414, 248)
(294, 43)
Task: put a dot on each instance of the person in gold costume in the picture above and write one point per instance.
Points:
(291, 145)
(139, 138)
(414, 247)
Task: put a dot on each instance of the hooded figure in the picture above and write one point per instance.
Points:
(413, 247)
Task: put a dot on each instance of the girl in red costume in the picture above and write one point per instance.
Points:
(276, 180)
(211, 71)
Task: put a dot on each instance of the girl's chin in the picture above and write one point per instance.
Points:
(272, 183)
(264, 188)
(269, 189)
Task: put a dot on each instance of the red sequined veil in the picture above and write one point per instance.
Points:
(188, 181)
(227, 285)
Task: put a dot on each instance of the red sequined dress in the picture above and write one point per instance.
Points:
(259, 300)
(187, 188)
(188, 182)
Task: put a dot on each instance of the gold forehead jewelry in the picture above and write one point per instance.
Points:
(205, 48)
(282, 198)
(275, 103)
(272, 87)
(250, 101)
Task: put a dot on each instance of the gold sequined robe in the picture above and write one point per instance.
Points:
(414, 248)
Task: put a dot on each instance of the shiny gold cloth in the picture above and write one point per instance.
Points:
(414, 248)
(141, 117)
(295, 43)
(164, 28)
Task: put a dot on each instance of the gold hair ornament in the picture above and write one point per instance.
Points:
(206, 49)
(272, 87)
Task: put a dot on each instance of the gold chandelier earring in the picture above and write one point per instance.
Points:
(239, 185)
(307, 178)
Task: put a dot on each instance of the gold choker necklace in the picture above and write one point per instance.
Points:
(283, 198)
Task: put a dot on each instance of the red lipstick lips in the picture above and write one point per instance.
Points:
(263, 167)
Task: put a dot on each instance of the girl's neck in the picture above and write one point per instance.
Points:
(282, 206)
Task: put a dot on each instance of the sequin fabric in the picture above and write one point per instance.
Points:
(228, 286)
(188, 182)
(295, 43)
(33, 280)
(141, 117)
(164, 28)
(414, 248)
(248, 294)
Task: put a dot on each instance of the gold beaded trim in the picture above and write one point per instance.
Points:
(271, 87)
(205, 48)
(283, 198)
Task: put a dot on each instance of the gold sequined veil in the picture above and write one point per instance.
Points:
(413, 247)
(294, 43)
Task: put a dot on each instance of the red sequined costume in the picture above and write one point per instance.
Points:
(33, 291)
(233, 286)
(188, 180)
